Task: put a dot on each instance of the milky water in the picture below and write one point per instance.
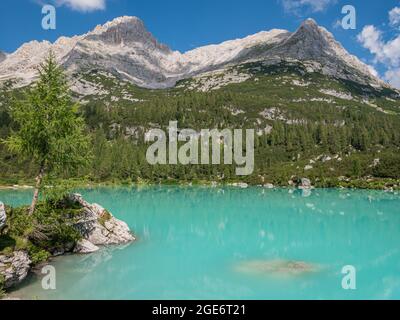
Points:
(209, 243)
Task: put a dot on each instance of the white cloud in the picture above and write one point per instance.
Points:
(83, 5)
(394, 16)
(300, 7)
(384, 52)
(393, 77)
(370, 38)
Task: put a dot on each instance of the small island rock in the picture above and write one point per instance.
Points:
(99, 226)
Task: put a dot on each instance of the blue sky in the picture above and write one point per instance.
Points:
(184, 24)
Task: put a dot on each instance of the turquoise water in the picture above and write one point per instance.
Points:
(191, 241)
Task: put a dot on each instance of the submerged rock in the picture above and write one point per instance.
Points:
(277, 267)
(14, 268)
(99, 226)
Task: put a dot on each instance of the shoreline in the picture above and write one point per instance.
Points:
(383, 184)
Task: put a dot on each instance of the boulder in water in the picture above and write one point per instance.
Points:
(84, 246)
(99, 226)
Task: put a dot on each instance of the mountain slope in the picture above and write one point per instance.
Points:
(316, 110)
(3, 56)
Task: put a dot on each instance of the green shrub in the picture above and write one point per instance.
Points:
(53, 227)
(2, 293)
(49, 228)
(389, 167)
(38, 255)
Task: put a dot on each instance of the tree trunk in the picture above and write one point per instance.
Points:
(39, 179)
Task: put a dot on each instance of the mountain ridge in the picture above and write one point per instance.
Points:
(126, 49)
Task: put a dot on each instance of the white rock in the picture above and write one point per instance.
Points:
(14, 268)
(99, 226)
(240, 185)
(84, 246)
(305, 184)
(3, 215)
(341, 95)
(308, 167)
(326, 159)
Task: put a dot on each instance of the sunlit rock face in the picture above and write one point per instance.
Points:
(99, 227)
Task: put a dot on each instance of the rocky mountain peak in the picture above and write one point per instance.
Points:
(311, 42)
(126, 30)
(125, 22)
(310, 23)
(308, 42)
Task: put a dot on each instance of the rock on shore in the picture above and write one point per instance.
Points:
(3, 216)
(84, 246)
(305, 184)
(14, 268)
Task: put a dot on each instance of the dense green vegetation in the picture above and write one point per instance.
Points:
(307, 124)
(47, 231)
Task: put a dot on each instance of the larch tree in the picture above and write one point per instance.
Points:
(49, 130)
